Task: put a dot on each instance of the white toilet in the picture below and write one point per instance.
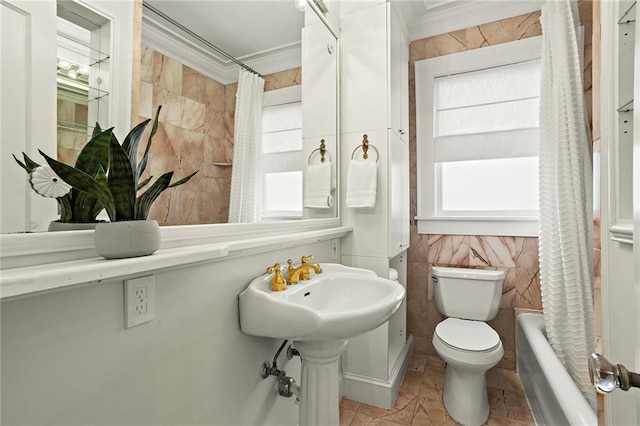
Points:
(468, 297)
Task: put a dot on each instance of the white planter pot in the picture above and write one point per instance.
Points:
(117, 240)
(56, 225)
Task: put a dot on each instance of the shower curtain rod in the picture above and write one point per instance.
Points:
(200, 39)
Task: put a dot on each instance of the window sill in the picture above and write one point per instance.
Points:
(504, 226)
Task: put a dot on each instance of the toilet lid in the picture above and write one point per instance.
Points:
(467, 335)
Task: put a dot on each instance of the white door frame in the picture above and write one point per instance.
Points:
(620, 232)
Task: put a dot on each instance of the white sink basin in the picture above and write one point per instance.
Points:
(339, 303)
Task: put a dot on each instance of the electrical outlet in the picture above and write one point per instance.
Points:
(139, 301)
(334, 249)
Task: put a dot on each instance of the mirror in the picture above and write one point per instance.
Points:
(186, 140)
(189, 56)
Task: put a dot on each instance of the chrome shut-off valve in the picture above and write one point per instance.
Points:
(606, 376)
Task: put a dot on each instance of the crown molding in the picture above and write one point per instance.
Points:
(273, 60)
(452, 16)
(163, 38)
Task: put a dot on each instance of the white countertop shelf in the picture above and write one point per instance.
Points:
(32, 279)
(45, 277)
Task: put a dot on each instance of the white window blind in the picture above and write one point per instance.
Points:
(282, 128)
(282, 159)
(490, 113)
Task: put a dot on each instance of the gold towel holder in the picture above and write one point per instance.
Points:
(323, 152)
(365, 147)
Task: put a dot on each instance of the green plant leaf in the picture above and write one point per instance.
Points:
(83, 182)
(101, 178)
(144, 202)
(143, 163)
(21, 164)
(183, 180)
(96, 130)
(144, 183)
(66, 212)
(130, 144)
(28, 164)
(85, 207)
(121, 182)
(93, 157)
(95, 153)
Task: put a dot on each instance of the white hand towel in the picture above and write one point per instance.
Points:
(362, 178)
(317, 186)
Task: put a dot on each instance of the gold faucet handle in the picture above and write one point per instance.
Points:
(290, 271)
(274, 268)
(305, 259)
(277, 282)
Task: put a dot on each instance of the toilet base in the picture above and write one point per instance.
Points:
(465, 396)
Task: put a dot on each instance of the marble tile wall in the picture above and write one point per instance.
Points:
(196, 126)
(517, 256)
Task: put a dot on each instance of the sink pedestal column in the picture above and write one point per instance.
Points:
(320, 381)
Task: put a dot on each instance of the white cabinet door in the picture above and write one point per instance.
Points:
(28, 108)
(398, 195)
(404, 88)
(399, 74)
(620, 168)
(405, 218)
(363, 68)
(319, 86)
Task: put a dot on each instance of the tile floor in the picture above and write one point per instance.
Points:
(420, 403)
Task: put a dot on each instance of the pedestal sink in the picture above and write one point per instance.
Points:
(320, 315)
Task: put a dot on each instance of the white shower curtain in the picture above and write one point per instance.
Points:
(566, 225)
(245, 203)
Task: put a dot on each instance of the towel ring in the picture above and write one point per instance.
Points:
(365, 147)
(323, 151)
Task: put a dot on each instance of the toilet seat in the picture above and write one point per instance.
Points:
(467, 335)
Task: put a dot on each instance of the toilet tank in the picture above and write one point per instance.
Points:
(473, 294)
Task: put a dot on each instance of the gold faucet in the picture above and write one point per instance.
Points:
(277, 282)
(301, 272)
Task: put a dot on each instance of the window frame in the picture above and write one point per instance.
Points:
(429, 220)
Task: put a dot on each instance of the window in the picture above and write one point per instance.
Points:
(282, 156)
(477, 134)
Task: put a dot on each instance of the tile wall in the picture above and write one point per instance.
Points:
(518, 256)
(196, 126)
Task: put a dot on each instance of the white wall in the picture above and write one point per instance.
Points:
(67, 359)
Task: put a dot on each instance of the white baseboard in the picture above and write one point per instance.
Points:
(379, 393)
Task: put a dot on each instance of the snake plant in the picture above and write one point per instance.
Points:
(107, 175)
(75, 206)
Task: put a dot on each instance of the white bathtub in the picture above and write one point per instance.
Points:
(552, 395)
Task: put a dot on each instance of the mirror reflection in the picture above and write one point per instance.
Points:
(191, 55)
(188, 62)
